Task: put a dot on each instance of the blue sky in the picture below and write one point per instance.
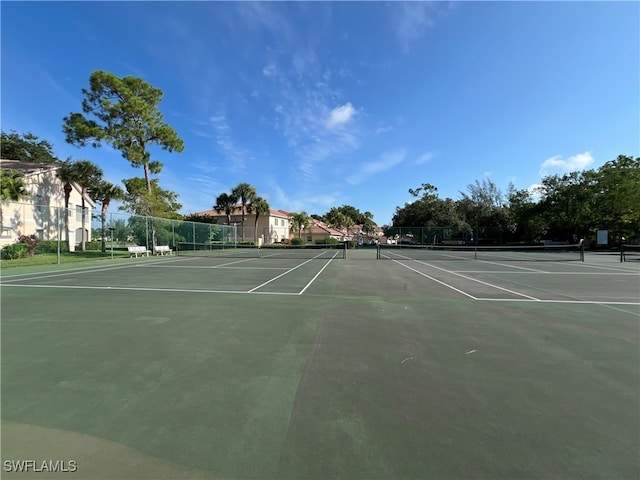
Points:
(322, 104)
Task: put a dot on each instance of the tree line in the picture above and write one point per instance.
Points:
(564, 207)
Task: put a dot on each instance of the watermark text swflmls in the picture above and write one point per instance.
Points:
(39, 466)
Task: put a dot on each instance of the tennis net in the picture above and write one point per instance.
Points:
(231, 250)
(538, 253)
(629, 253)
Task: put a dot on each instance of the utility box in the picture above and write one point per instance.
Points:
(602, 237)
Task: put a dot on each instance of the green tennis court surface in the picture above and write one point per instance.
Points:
(322, 368)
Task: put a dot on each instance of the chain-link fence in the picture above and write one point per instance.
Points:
(60, 231)
(448, 236)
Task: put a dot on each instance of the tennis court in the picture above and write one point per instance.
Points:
(382, 364)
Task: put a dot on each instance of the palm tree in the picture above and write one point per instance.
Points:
(225, 203)
(260, 207)
(88, 175)
(67, 176)
(245, 193)
(348, 223)
(300, 221)
(104, 192)
(12, 188)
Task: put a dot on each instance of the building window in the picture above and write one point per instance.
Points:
(78, 213)
(39, 205)
(309, 238)
(39, 234)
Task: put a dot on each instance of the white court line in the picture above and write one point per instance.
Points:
(41, 275)
(434, 279)
(480, 281)
(317, 275)
(547, 273)
(593, 302)
(151, 289)
(283, 274)
(513, 266)
(591, 265)
(209, 267)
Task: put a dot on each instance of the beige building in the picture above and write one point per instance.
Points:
(272, 228)
(42, 211)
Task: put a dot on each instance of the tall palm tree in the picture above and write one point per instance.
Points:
(12, 189)
(67, 175)
(245, 193)
(300, 221)
(348, 223)
(104, 192)
(88, 175)
(225, 203)
(259, 206)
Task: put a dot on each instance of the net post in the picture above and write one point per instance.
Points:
(378, 252)
(622, 249)
(344, 250)
(582, 249)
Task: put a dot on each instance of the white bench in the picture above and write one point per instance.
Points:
(137, 250)
(162, 249)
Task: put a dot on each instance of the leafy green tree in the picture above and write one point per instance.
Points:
(567, 202)
(368, 225)
(259, 206)
(123, 112)
(527, 215)
(104, 192)
(245, 193)
(12, 189)
(226, 203)
(26, 148)
(159, 203)
(617, 196)
(484, 205)
(120, 231)
(429, 210)
(300, 221)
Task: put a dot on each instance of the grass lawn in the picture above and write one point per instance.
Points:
(65, 257)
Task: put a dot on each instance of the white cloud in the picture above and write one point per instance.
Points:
(534, 191)
(382, 128)
(487, 173)
(236, 156)
(269, 70)
(424, 158)
(340, 115)
(386, 162)
(557, 164)
(304, 201)
(410, 22)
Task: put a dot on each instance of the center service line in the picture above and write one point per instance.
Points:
(282, 274)
(317, 275)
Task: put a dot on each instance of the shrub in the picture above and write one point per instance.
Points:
(51, 246)
(297, 241)
(14, 251)
(31, 241)
(94, 245)
(327, 241)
